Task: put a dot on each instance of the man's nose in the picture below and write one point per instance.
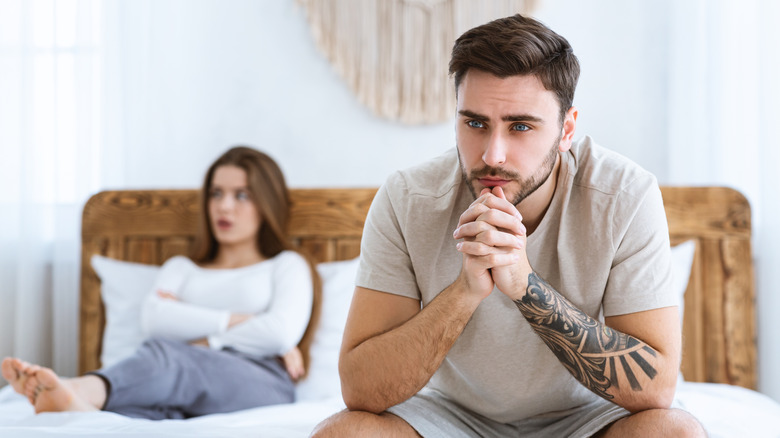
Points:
(495, 150)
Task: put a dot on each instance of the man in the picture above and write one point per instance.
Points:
(518, 286)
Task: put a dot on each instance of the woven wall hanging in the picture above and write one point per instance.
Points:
(394, 54)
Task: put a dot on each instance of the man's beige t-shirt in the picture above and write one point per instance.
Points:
(603, 244)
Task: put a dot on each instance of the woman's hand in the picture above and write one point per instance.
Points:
(293, 361)
(164, 294)
(238, 318)
(203, 342)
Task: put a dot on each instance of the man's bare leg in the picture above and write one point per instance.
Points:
(48, 393)
(364, 424)
(655, 423)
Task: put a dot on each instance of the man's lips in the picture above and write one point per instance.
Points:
(493, 182)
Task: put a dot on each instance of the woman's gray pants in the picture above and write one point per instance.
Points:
(171, 379)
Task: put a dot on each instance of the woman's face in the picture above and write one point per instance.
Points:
(233, 214)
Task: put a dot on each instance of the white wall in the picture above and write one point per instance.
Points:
(621, 46)
(224, 73)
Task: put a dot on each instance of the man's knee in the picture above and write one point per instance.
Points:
(332, 426)
(681, 423)
(690, 425)
(363, 424)
(657, 422)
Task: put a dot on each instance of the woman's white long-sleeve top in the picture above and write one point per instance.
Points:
(278, 291)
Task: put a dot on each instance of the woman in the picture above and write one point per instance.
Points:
(218, 324)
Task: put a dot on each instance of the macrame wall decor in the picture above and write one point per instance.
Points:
(394, 54)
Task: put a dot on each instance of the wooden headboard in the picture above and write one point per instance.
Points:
(149, 226)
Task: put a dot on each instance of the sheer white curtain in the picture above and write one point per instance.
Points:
(51, 62)
(722, 118)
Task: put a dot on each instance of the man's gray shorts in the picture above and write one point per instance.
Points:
(433, 415)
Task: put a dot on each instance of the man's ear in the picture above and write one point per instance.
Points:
(567, 129)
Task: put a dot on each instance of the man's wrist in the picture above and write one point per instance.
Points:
(515, 285)
(462, 291)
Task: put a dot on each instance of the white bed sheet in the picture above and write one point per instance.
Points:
(726, 412)
(17, 419)
(731, 411)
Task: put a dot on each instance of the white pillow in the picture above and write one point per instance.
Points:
(682, 260)
(124, 285)
(338, 284)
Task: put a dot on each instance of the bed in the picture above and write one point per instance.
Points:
(126, 234)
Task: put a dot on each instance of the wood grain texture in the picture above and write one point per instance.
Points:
(719, 331)
(719, 345)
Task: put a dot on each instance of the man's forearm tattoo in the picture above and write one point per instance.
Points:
(592, 352)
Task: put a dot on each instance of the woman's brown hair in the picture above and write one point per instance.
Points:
(269, 193)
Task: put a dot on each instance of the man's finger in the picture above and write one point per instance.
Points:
(489, 260)
(498, 191)
(476, 248)
(487, 233)
(486, 203)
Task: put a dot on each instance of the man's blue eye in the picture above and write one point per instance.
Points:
(520, 127)
(475, 124)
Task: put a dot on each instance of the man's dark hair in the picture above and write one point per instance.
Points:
(515, 46)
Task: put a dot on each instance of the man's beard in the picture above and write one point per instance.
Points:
(527, 186)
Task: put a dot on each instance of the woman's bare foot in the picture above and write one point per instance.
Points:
(16, 372)
(49, 393)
